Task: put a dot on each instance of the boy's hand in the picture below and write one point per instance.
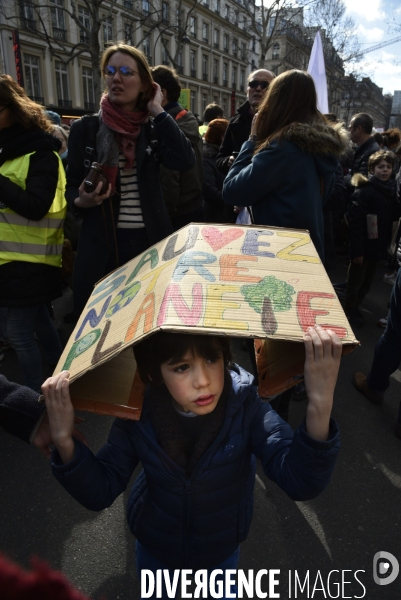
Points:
(61, 414)
(323, 354)
(43, 438)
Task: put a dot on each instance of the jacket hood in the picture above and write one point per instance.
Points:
(188, 124)
(319, 139)
(241, 380)
(388, 187)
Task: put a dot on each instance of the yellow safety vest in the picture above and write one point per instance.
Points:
(27, 240)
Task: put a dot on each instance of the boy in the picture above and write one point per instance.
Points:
(201, 427)
(369, 219)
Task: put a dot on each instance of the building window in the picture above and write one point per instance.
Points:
(205, 32)
(107, 29)
(63, 94)
(216, 71)
(165, 12)
(145, 7)
(225, 42)
(192, 26)
(33, 87)
(243, 51)
(227, 12)
(244, 23)
(205, 67)
(224, 107)
(253, 44)
(193, 63)
(234, 78)
(165, 60)
(225, 74)
(216, 38)
(84, 19)
(58, 22)
(128, 34)
(204, 102)
(276, 51)
(274, 70)
(236, 18)
(89, 92)
(242, 80)
(192, 101)
(146, 47)
(235, 47)
(27, 15)
(217, 7)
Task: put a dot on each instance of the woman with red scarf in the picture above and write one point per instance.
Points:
(129, 136)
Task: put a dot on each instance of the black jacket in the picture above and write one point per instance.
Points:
(361, 156)
(236, 134)
(25, 283)
(97, 240)
(212, 185)
(372, 197)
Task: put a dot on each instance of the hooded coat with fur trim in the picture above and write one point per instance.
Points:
(287, 183)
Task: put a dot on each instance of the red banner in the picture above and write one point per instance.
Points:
(17, 56)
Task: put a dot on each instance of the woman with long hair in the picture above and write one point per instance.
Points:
(129, 136)
(32, 211)
(286, 171)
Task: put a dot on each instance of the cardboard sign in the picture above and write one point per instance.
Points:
(247, 281)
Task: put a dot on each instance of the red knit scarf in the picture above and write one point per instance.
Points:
(126, 124)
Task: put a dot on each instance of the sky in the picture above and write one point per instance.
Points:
(376, 23)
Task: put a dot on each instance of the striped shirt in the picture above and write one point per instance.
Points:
(130, 216)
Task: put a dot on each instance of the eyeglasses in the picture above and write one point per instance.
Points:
(256, 83)
(125, 72)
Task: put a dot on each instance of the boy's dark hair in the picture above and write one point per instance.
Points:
(168, 79)
(212, 111)
(377, 157)
(164, 346)
(364, 120)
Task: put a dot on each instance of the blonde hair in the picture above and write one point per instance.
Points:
(143, 69)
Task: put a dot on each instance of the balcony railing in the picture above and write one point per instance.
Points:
(60, 34)
(90, 106)
(180, 70)
(83, 37)
(234, 85)
(65, 103)
(38, 99)
(28, 24)
(205, 39)
(193, 72)
(224, 82)
(128, 4)
(215, 79)
(205, 77)
(216, 45)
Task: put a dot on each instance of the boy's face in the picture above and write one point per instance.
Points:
(382, 171)
(195, 383)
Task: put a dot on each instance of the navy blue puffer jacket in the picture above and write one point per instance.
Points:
(198, 522)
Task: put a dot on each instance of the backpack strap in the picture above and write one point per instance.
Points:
(91, 127)
(180, 114)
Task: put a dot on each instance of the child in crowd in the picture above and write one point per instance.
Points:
(201, 427)
(370, 216)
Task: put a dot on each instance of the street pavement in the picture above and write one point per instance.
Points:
(325, 546)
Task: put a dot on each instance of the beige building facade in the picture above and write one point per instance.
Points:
(215, 59)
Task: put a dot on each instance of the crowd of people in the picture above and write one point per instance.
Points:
(138, 170)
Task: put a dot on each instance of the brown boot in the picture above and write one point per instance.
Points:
(360, 383)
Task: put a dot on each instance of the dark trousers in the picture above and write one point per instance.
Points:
(387, 356)
(359, 281)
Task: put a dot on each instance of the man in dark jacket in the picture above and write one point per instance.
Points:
(360, 128)
(182, 190)
(240, 125)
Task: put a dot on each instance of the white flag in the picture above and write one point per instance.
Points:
(317, 70)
